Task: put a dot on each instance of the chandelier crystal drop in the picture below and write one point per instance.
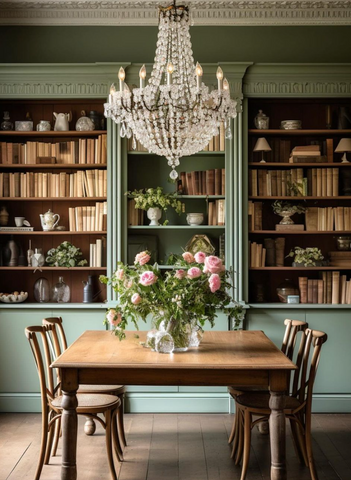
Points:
(175, 114)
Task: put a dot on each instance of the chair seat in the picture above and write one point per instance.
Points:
(94, 403)
(259, 402)
(114, 389)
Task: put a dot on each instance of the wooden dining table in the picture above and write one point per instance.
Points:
(238, 358)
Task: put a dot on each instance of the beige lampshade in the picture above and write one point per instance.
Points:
(344, 145)
(262, 145)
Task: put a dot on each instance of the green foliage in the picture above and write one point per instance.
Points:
(175, 298)
(279, 207)
(307, 256)
(65, 255)
(155, 198)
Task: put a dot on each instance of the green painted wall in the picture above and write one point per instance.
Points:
(210, 44)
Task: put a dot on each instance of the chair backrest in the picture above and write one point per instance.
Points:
(293, 327)
(310, 352)
(37, 337)
(56, 335)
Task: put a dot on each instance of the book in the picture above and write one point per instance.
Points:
(16, 229)
(335, 287)
(303, 289)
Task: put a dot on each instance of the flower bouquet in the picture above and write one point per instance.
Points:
(180, 301)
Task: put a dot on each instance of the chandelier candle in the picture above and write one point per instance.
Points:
(174, 114)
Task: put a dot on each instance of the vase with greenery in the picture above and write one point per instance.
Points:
(178, 300)
(287, 210)
(155, 198)
(65, 255)
(306, 257)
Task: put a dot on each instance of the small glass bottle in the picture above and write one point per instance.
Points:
(261, 121)
(61, 292)
(30, 254)
(6, 124)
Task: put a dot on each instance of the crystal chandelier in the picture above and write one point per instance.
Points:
(175, 115)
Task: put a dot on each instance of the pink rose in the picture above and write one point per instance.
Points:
(194, 272)
(148, 278)
(120, 274)
(214, 282)
(200, 257)
(142, 258)
(180, 274)
(188, 257)
(213, 264)
(136, 299)
(113, 317)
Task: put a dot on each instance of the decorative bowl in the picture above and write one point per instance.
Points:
(15, 297)
(290, 124)
(195, 218)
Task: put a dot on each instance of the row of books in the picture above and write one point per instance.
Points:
(216, 212)
(135, 215)
(89, 183)
(88, 218)
(216, 144)
(328, 219)
(205, 182)
(282, 151)
(81, 151)
(319, 182)
(255, 216)
(97, 253)
(270, 254)
(331, 287)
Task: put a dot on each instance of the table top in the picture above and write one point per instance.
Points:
(242, 350)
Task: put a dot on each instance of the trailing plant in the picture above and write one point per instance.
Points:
(156, 198)
(65, 255)
(279, 207)
(306, 256)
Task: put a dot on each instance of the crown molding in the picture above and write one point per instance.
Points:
(144, 13)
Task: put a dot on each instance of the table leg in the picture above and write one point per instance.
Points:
(277, 436)
(69, 431)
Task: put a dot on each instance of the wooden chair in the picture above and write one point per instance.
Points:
(88, 405)
(58, 342)
(298, 405)
(292, 328)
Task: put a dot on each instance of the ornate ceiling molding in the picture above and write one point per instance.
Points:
(210, 13)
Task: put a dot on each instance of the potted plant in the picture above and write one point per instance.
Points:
(180, 301)
(154, 201)
(65, 255)
(287, 210)
(306, 257)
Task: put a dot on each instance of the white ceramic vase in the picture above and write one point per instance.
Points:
(154, 215)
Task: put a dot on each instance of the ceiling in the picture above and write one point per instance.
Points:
(144, 13)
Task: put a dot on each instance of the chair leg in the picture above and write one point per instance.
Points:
(120, 422)
(49, 444)
(108, 419)
(236, 433)
(247, 444)
(115, 437)
(298, 441)
(57, 436)
(232, 433)
(89, 426)
(239, 452)
(44, 437)
(308, 436)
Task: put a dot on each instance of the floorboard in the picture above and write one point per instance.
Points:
(173, 447)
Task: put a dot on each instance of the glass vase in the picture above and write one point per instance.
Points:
(42, 290)
(61, 293)
(181, 334)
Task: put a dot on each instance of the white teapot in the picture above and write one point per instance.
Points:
(49, 220)
(61, 123)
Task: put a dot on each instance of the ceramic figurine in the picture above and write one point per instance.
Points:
(4, 216)
(6, 124)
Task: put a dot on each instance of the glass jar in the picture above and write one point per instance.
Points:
(61, 293)
(6, 124)
(343, 243)
(38, 258)
(286, 288)
(84, 123)
(42, 290)
(261, 121)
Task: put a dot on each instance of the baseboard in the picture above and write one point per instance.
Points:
(174, 402)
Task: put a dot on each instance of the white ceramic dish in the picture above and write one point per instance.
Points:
(12, 298)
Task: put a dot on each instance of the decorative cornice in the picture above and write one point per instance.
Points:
(210, 13)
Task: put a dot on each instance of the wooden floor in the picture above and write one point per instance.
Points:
(173, 447)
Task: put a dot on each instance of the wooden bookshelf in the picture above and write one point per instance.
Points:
(24, 277)
(263, 280)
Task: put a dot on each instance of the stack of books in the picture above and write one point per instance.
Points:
(88, 218)
(255, 216)
(274, 251)
(90, 183)
(306, 154)
(216, 212)
(257, 256)
(82, 151)
(97, 253)
(331, 287)
(328, 219)
(135, 215)
(206, 182)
